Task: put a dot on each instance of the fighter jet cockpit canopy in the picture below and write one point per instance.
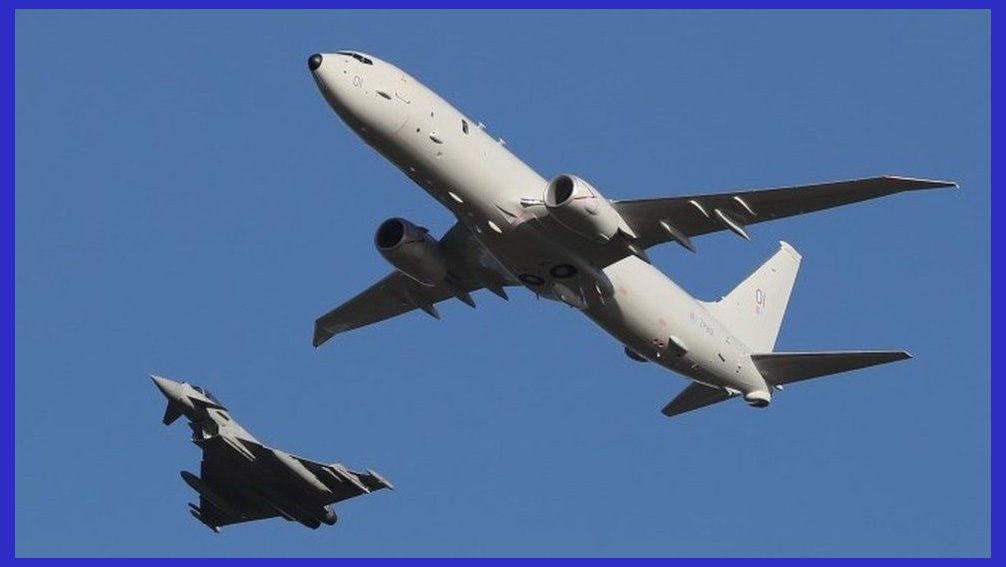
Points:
(206, 393)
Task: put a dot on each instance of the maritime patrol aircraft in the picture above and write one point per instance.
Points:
(563, 240)
(242, 480)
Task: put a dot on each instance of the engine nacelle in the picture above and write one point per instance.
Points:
(412, 251)
(581, 208)
(758, 399)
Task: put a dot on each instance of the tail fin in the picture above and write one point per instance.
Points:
(753, 311)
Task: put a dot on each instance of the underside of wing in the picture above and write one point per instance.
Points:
(209, 514)
(693, 397)
(779, 368)
(679, 218)
(326, 483)
(397, 293)
(225, 504)
(344, 483)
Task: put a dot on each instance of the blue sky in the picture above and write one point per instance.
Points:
(187, 204)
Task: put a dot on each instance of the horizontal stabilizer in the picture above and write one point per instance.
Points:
(779, 368)
(693, 397)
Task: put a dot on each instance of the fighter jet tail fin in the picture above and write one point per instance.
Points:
(780, 368)
(753, 311)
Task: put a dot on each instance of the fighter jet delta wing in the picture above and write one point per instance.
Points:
(679, 218)
(242, 480)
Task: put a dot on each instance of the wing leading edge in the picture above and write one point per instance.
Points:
(679, 218)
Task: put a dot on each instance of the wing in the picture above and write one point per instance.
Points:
(678, 218)
(471, 268)
(345, 483)
(324, 484)
(693, 397)
(224, 476)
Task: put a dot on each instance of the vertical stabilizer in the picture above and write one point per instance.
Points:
(753, 311)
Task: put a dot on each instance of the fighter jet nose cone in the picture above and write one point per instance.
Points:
(314, 61)
(167, 387)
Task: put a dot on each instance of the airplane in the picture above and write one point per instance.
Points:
(242, 480)
(564, 241)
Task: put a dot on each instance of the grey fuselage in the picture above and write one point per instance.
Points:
(479, 180)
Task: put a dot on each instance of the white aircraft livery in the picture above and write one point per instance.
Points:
(564, 241)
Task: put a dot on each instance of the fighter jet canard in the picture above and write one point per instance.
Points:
(242, 480)
(564, 241)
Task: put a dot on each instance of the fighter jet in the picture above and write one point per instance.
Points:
(564, 241)
(242, 480)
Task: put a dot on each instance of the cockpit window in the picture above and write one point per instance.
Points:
(464, 125)
(357, 56)
(206, 393)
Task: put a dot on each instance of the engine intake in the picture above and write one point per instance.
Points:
(412, 251)
(576, 205)
(758, 399)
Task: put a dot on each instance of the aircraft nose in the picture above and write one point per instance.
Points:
(314, 61)
(168, 387)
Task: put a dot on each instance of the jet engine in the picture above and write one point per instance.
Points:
(581, 208)
(758, 399)
(412, 251)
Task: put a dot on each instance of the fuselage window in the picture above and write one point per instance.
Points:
(464, 125)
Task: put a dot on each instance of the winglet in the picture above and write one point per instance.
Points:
(321, 334)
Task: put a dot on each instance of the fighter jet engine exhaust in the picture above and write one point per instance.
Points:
(411, 250)
(330, 518)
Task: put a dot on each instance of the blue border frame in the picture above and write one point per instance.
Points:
(8, 14)
(496, 4)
